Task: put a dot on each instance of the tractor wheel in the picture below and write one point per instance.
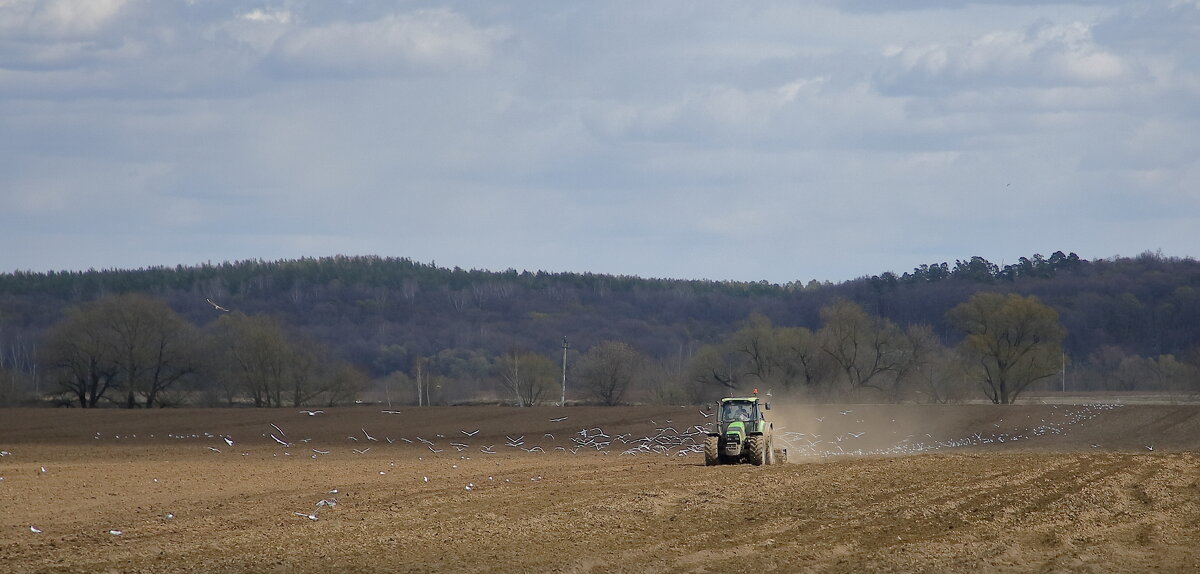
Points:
(711, 457)
(779, 456)
(758, 450)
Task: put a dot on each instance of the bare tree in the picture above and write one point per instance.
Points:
(715, 365)
(527, 375)
(155, 347)
(802, 358)
(345, 382)
(19, 374)
(609, 369)
(934, 372)
(256, 356)
(81, 356)
(870, 351)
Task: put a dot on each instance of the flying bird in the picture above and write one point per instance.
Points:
(311, 413)
(217, 307)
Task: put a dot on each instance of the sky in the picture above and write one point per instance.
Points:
(778, 141)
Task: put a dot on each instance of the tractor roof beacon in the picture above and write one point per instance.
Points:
(743, 434)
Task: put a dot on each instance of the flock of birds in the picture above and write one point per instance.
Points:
(667, 439)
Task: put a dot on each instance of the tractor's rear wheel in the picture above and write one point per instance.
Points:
(711, 456)
(757, 446)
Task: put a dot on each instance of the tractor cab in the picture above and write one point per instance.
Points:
(739, 410)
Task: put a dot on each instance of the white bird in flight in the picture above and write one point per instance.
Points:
(215, 306)
(311, 413)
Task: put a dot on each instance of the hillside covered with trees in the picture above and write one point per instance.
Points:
(323, 331)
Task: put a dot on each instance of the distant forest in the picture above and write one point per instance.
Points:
(404, 326)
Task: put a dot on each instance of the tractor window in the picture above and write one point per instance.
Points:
(737, 412)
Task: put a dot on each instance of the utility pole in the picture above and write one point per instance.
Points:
(565, 346)
(1064, 373)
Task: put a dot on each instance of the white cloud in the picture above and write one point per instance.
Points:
(273, 16)
(425, 39)
(1044, 55)
(58, 18)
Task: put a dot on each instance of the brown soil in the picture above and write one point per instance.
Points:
(898, 488)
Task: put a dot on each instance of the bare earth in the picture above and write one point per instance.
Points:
(1075, 488)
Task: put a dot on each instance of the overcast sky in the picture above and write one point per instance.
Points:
(721, 140)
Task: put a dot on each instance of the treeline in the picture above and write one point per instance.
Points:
(1130, 323)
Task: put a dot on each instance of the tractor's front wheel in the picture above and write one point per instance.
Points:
(757, 446)
(711, 456)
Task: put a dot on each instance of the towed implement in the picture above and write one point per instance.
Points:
(743, 434)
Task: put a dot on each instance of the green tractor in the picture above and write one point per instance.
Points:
(743, 434)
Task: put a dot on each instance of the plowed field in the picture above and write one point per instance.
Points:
(1087, 488)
